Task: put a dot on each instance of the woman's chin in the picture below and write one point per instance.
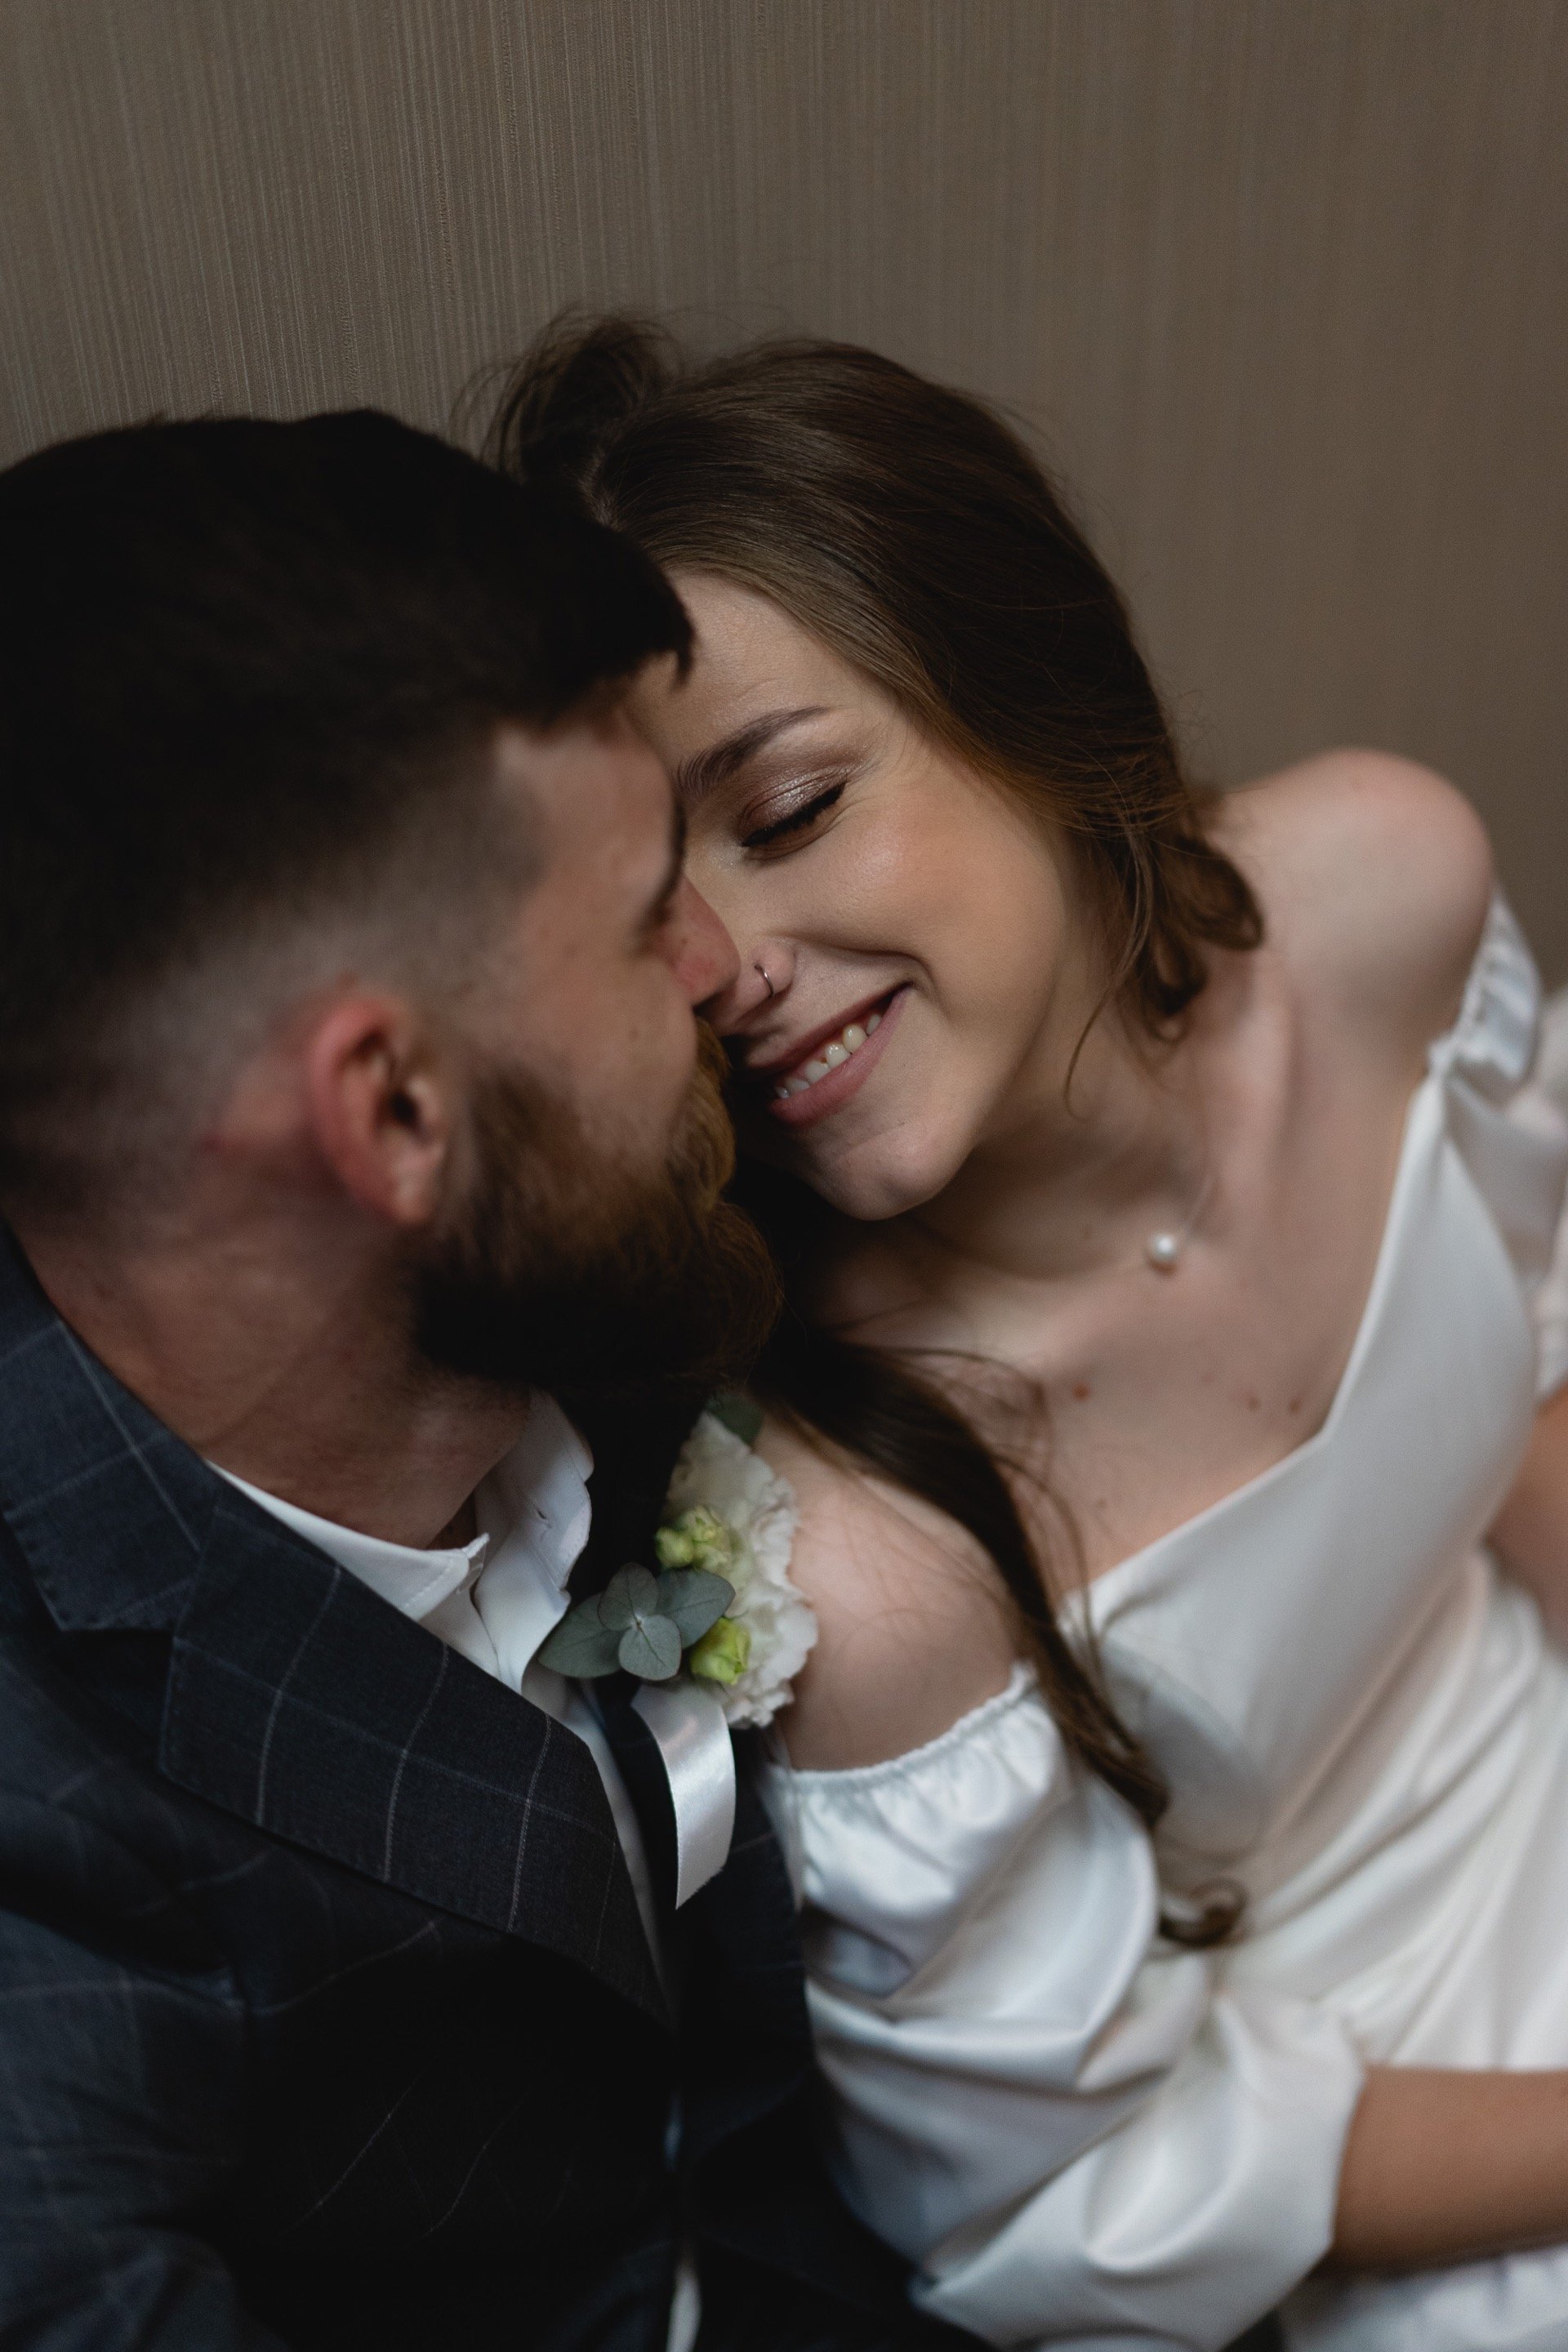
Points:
(878, 1180)
(868, 1161)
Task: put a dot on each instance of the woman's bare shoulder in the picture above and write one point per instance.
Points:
(914, 1631)
(1375, 875)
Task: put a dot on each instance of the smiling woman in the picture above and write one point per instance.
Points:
(909, 910)
(1074, 1168)
(883, 679)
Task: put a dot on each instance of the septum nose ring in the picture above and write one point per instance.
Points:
(773, 992)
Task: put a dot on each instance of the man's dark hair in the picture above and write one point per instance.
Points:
(247, 671)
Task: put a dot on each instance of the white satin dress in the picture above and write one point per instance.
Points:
(1085, 2135)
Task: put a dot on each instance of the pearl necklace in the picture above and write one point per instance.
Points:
(1163, 1250)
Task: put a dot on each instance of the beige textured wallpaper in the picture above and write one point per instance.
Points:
(1280, 283)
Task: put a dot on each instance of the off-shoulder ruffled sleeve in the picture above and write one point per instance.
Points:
(1542, 1106)
(1052, 2112)
(1505, 1068)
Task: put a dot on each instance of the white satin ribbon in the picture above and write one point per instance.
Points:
(692, 1737)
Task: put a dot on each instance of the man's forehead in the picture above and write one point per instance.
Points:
(597, 752)
(591, 784)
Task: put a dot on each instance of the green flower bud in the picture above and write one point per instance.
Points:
(722, 1655)
(697, 1539)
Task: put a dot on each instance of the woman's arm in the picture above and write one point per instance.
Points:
(1445, 2166)
(913, 1630)
(1438, 2166)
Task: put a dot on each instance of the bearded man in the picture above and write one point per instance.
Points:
(354, 1151)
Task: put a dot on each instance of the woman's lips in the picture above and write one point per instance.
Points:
(825, 1095)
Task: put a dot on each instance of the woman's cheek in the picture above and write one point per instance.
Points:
(991, 928)
(894, 890)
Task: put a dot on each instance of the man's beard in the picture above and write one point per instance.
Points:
(563, 1268)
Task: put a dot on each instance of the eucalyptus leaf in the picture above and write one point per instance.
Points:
(651, 1649)
(693, 1598)
(737, 1414)
(632, 1593)
(583, 1646)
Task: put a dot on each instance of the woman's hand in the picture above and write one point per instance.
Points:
(1446, 2166)
(1531, 1531)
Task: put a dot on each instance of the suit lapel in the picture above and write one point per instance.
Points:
(743, 1941)
(301, 1701)
(296, 1698)
(737, 1943)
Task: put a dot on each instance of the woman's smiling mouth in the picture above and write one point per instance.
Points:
(837, 1050)
(823, 1076)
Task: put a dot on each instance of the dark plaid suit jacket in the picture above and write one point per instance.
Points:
(326, 2014)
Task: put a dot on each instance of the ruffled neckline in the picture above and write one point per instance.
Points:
(1021, 1685)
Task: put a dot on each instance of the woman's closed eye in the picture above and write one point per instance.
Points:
(797, 821)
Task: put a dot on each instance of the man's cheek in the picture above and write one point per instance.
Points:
(656, 1039)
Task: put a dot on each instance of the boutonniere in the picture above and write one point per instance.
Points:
(721, 1608)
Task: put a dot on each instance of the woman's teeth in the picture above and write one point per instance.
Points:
(833, 1057)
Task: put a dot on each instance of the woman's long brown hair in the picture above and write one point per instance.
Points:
(909, 528)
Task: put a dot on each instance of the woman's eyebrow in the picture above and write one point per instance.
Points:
(704, 772)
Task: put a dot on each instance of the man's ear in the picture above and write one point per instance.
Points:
(378, 1099)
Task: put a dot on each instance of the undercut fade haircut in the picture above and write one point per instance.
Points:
(251, 676)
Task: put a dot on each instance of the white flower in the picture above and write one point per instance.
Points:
(719, 1474)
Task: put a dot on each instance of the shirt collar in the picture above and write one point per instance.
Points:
(541, 1490)
(533, 1513)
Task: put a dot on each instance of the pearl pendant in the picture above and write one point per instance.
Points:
(1164, 1251)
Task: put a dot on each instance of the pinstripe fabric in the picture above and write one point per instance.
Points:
(326, 2016)
(296, 1699)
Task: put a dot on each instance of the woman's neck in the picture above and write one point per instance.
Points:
(1084, 1158)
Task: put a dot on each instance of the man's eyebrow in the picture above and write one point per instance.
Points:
(704, 772)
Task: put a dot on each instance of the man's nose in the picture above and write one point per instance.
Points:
(702, 953)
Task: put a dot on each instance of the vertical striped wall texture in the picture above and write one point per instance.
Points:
(1279, 284)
